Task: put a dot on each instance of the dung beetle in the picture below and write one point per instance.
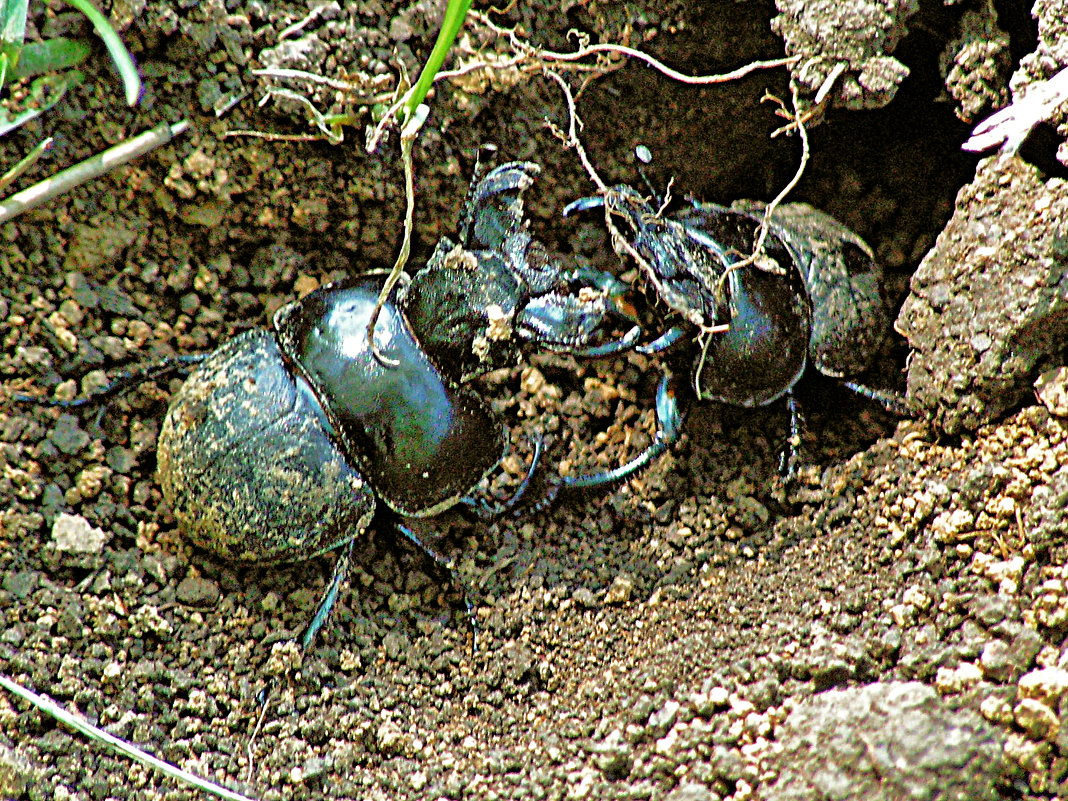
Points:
(279, 445)
(812, 293)
(283, 443)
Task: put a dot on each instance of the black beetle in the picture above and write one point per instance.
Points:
(280, 444)
(277, 446)
(812, 293)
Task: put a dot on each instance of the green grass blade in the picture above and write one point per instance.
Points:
(28, 161)
(98, 735)
(455, 14)
(13, 21)
(124, 62)
(51, 55)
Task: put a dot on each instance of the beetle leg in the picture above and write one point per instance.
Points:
(566, 322)
(484, 510)
(583, 204)
(893, 402)
(126, 382)
(494, 208)
(624, 343)
(664, 341)
(669, 418)
(326, 604)
(448, 567)
(788, 459)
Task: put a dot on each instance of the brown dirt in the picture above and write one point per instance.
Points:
(647, 643)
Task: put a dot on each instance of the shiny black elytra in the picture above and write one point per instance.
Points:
(813, 295)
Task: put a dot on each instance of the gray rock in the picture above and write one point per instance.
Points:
(989, 303)
(197, 591)
(691, 791)
(886, 741)
(68, 435)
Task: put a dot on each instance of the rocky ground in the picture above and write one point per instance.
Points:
(890, 627)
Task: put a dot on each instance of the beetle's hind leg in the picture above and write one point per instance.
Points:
(124, 383)
(326, 603)
(341, 573)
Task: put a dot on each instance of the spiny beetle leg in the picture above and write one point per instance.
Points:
(583, 204)
(893, 402)
(789, 457)
(326, 604)
(448, 567)
(127, 381)
(621, 345)
(669, 418)
(664, 341)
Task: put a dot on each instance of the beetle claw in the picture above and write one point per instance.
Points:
(583, 204)
(485, 510)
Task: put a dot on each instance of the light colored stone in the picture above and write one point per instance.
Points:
(72, 533)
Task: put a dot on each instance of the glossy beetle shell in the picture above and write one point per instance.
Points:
(278, 444)
(764, 351)
(421, 441)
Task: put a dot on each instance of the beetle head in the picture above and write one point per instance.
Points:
(479, 300)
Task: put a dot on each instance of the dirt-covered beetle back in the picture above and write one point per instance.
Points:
(247, 466)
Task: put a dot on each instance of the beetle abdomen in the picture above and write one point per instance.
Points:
(246, 465)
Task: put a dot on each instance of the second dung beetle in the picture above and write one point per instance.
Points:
(811, 293)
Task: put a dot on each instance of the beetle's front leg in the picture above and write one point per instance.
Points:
(665, 341)
(670, 416)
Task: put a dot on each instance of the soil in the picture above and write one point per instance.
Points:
(674, 638)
